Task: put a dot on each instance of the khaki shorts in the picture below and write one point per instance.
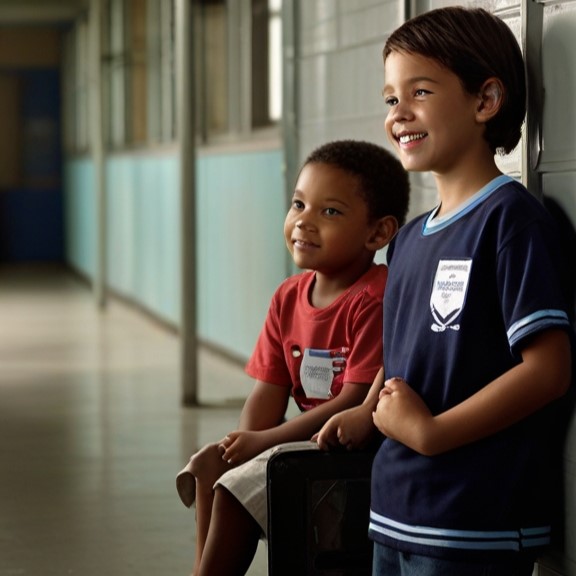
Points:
(248, 483)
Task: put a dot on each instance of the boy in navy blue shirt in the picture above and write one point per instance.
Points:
(476, 330)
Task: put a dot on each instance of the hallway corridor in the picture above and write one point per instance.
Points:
(92, 434)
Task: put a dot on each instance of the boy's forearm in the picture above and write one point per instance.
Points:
(543, 376)
(265, 406)
(305, 425)
(371, 399)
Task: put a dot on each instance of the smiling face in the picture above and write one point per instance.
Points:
(327, 227)
(432, 120)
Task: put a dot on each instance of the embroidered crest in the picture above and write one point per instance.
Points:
(449, 293)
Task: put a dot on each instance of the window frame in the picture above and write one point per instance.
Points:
(75, 91)
(247, 66)
(138, 62)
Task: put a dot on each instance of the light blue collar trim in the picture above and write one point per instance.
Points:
(432, 224)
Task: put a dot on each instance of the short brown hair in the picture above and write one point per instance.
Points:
(475, 45)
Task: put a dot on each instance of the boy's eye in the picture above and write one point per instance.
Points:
(297, 204)
(391, 101)
(332, 211)
(421, 92)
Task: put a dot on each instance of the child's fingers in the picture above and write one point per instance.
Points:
(386, 390)
(226, 448)
(326, 440)
(224, 444)
(392, 385)
(228, 455)
(343, 438)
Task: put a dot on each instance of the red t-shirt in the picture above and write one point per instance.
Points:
(321, 348)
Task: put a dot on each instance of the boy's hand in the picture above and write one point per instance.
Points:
(352, 429)
(402, 415)
(242, 445)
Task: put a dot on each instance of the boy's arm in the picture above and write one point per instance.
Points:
(352, 428)
(245, 443)
(303, 426)
(264, 407)
(543, 376)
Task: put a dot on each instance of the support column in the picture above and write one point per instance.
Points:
(185, 96)
(96, 119)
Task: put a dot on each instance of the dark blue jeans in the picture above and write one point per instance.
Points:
(390, 562)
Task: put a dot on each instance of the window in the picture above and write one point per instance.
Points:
(212, 67)
(115, 73)
(275, 60)
(161, 81)
(75, 93)
(266, 62)
(238, 66)
(139, 71)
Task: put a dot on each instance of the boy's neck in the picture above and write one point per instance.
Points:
(327, 288)
(455, 188)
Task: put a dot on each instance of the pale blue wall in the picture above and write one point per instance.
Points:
(241, 252)
(143, 228)
(241, 256)
(79, 215)
(143, 251)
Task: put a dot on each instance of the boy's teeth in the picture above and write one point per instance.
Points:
(410, 138)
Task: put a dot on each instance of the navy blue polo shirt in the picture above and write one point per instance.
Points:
(464, 293)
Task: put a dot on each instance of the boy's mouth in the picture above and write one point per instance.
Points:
(303, 244)
(412, 137)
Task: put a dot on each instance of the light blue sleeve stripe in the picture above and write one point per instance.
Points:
(462, 539)
(535, 322)
(460, 544)
(442, 531)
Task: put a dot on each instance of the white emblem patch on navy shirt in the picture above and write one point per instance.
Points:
(449, 293)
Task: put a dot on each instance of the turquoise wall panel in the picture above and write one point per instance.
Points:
(143, 250)
(80, 215)
(241, 255)
(120, 218)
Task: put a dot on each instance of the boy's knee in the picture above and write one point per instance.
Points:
(207, 462)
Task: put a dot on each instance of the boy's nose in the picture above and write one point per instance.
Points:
(303, 223)
(400, 112)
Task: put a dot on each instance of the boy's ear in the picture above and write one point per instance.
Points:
(383, 230)
(490, 99)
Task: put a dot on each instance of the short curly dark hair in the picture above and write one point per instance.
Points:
(384, 184)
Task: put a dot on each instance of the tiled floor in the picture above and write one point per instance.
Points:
(92, 434)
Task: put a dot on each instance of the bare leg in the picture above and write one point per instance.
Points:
(204, 500)
(232, 538)
(207, 466)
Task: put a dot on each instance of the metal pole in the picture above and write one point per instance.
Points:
(97, 146)
(290, 118)
(187, 159)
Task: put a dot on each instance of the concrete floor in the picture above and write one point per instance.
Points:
(92, 434)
